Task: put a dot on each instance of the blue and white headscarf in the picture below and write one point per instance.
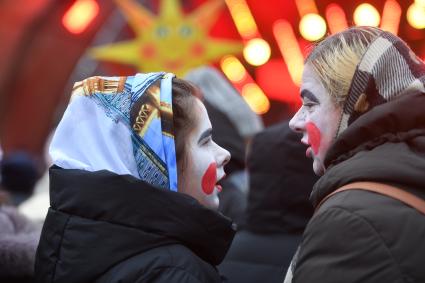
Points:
(120, 124)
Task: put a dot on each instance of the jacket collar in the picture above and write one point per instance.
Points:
(391, 133)
(390, 121)
(130, 202)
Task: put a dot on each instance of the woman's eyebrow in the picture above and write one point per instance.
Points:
(205, 134)
(308, 94)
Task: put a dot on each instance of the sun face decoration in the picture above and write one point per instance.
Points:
(171, 42)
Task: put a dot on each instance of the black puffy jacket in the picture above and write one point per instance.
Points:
(104, 227)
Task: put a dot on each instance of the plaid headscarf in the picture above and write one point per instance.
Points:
(388, 69)
(120, 124)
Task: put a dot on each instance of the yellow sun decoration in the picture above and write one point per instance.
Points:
(171, 41)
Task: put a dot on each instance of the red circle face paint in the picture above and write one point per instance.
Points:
(209, 179)
(314, 136)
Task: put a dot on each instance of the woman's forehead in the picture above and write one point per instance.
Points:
(205, 120)
(311, 87)
(202, 121)
(309, 75)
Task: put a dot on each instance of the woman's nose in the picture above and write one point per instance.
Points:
(223, 157)
(296, 123)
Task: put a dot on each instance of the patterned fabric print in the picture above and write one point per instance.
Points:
(89, 86)
(387, 70)
(152, 124)
(153, 148)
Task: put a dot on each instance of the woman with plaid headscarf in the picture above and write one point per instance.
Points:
(363, 119)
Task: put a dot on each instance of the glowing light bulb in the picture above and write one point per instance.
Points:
(255, 98)
(233, 68)
(257, 52)
(312, 27)
(366, 15)
(420, 2)
(416, 16)
(78, 17)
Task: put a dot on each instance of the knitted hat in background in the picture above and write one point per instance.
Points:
(387, 70)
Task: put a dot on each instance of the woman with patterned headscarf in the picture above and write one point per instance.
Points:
(134, 186)
(363, 119)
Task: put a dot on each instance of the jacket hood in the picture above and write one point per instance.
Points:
(112, 217)
(281, 180)
(387, 144)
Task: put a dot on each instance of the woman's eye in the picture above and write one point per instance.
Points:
(308, 104)
(206, 141)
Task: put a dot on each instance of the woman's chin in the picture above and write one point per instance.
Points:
(318, 166)
(212, 200)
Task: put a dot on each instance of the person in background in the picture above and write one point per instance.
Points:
(19, 173)
(134, 186)
(18, 235)
(278, 209)
(363, 120)
(234, 124)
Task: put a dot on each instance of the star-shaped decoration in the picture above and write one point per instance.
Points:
(171, 41)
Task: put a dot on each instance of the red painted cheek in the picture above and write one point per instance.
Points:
(209, 179)
(314, 136)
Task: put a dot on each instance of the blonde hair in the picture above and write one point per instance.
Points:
(335, 59)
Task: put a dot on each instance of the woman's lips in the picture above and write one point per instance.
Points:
(217, 185)
(308, 152)
(219, 188)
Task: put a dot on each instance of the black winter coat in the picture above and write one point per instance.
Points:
(281, 179)
(360, 236)
(104, 227)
